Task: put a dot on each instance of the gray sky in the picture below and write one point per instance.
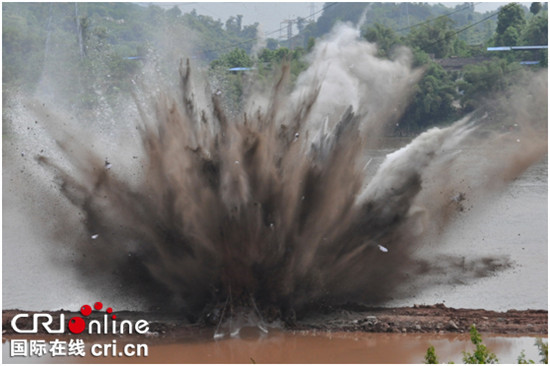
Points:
(271, 14)
(268, 14)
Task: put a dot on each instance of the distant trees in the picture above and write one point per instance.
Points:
(432, 101)
(511, 20)
(236, 58)
(536, 31)
(96, 42)
(234, 24)
(440, 95)
(535, 8)
(174, 13)
(269, 60)
(272, 44)
(481, 80)
(267, 64)
(435, 37)
(88, 47)
(434, 96)
(384, 37)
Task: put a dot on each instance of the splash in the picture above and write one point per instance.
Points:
(282, 209)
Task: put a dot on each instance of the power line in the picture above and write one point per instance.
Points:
(476, 23)
(217, 49)
(434, 19)
(465, 28)
(399, 30)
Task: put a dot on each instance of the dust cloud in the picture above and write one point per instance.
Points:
(280, 209)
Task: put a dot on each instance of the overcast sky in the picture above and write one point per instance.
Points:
(271, 14)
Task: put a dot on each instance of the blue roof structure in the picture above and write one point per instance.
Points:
(240, 69)
(529, 62)
(530, 47)
(499, 48)
(517, 48)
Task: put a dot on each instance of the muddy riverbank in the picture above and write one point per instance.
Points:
(428, 319)
(436, 319)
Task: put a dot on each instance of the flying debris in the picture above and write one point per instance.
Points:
(461, 196)
(382, 248)
(229, 208)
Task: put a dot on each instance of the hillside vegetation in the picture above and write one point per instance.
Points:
(96, 50)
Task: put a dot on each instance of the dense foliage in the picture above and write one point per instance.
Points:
(443, 95)
(96, 49)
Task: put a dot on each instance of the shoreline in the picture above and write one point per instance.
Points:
(430, 319)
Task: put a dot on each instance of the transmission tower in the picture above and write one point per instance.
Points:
(289, 23)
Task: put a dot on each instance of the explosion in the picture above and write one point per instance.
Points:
(283, 208)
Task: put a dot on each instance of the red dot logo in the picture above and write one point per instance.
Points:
(77, 325)
(86, 310)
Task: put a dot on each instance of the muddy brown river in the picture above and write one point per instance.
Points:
(305, 347)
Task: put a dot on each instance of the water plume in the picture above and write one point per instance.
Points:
(282, 208)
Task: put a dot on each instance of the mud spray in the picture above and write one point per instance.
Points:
(282, 209)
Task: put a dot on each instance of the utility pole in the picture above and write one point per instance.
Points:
(289, 23)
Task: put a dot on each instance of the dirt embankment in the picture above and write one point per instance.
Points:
(417, 319)
(428, 319)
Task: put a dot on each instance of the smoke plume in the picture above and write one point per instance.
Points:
(284, 208)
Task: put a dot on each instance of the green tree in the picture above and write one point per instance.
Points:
(234, 24)
(480, 80)
(236, 58)
(543, 350)
(432, 101)
(430, 357)
(272, 44)
(272, 60)
(510, 16)
(173, 13)
(510, 37)
(436, 37)
(310, 43)
(301, 24)
(523, 361)
(384, 37)
(536, 31)
(535, 8)
(481, 353)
